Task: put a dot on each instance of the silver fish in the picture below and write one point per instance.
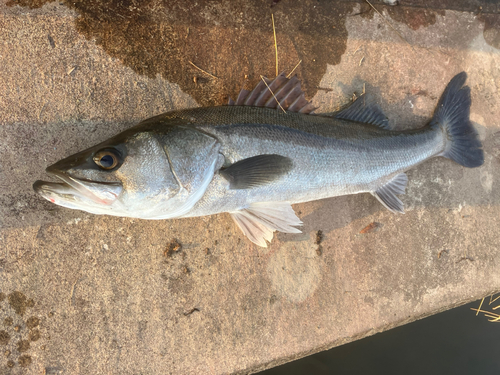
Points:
(253, 160)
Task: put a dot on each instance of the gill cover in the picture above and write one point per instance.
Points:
(193, 157)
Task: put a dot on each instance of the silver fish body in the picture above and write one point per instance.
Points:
(331, 157)
(254, 162)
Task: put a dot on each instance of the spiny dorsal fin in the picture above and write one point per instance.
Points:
(386, 194)
(259, 221)
(364, 109)
(286, 91)
(257, 170)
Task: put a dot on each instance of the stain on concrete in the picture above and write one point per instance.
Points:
(34, 335)
(4, 338)
(32, 322)
(24, 361)
(295, 270)
(172, 248)
(19, 302)
(51, 41)
(8, 321)
(23, 346)
(191, 311)
(491, 32)
(180, 286)
(19, 334)
(319, 239)
(231, 39)
(370, 228)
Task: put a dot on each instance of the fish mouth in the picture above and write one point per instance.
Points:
(74, 189)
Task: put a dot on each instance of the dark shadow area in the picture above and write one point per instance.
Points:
(232, 39)
(453, 342)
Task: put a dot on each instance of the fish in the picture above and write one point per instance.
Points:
(257, 156)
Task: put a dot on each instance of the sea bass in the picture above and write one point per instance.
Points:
(257, 156)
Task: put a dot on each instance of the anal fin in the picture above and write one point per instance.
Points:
(259, 221)
(386, 194)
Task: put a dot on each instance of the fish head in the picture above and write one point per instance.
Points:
(88, 180)
(132, 175)
(123, 176)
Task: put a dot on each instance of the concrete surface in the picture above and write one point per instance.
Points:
(83, 294)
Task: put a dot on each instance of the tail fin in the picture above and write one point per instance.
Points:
(452, 116)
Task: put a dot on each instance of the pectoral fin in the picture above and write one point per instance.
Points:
(256, 171)
(386, 194)
(259, 221)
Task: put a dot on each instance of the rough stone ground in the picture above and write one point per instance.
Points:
(83, 294)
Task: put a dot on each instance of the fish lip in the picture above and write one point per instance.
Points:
(76, 185)
(52, 190)
(72, 182)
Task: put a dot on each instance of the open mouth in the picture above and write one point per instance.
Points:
(71, 188)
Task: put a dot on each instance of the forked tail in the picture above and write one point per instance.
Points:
(452, 117)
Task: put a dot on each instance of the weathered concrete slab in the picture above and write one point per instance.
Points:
(84, 294)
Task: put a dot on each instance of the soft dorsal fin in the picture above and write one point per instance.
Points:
(257, 170)
(364, 109)
(286, 91)
(386, 194)
(259, 221)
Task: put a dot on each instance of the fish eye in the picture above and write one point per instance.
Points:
(106, 159)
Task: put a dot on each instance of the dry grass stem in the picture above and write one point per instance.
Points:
(274, 96)
(295, 67)
(486, 312)
(494, 299)
(275, 45)
(494, 317)
(201, 70)
(479, 308)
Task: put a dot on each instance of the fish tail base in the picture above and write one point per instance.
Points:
(462, 143)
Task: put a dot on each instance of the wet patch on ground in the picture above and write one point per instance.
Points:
(232, 40)
(295, 270)
(423, 13)
(412, 16)
(491, 30)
